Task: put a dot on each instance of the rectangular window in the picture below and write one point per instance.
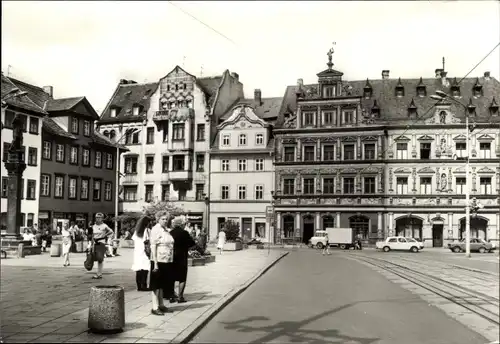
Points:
(165, 192)
(5, 186)
(45, 185)
(225, 165)
(349, 152)
(226, 140)
(86, 157)
(224, 192)
(178, 162)
(259, 139)
(242, 140)
(150, 135)
(72, 188)
(309, 153)
(47, 150)
(148, 197)
(84, 192)
(242, 165)
(308, 186)
(200, 192)
(348, 117)
(98, 159)
(130, 193)
(309, 118)
(425, 185)
(109, 161)
(34, 125)
(259, 191)
(131, 165)
(31, 189)
(460, 148)
(165, 161)
(178, 131)
(9, 118)
(108, 191)
(485, 150)
(348, 185)
(289, 186)
(259, 164)
(329, 91)
(369, 185)
(150, 163)
(425, 150)
(32, 156)
(164, 130)
(289, 154)
(328, 117)
(242, 192)
(328, 153)
(86, 128)
(6, 147)
(24, 123)
(74, 125)
(200, 132)
(96, 194)
(59, 187)
(328, 186)
(369, 151)
(59, 153)
(402, 185)
(485, 185)
(402, 150)
(73, 155)
(460, 182)
(200, 162)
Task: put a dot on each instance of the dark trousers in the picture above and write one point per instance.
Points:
(168, 289)
(141, 278)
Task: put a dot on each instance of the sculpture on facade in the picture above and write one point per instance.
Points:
(17, 139)
(444, 182)
(442, 117)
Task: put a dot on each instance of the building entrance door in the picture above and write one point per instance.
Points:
(246, 228)
(308, 229)
(437, 235)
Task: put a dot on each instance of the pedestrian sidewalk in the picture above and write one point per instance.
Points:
(43, 302)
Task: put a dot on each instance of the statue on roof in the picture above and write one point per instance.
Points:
(329, 54)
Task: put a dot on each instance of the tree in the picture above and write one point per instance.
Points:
(232, 229)
(154, 207)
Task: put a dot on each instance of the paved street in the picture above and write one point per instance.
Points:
(43, 302)
(308, 297)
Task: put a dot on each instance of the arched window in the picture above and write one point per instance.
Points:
(328, 222)
(112, 134)
(409, 227)
(106, 133)
(360, 226)
(288, 225)
(478, 228)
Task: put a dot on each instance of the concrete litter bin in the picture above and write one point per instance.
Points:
(79, 246)
(55, 250)
(106, 309)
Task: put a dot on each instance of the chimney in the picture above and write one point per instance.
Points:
(123, 81)
(235, 76)
(438, 72)
(486, 75)
(444, 81)
(257, 94)
(385, 74)
(300, 82)
(132, 82)
(49, 90)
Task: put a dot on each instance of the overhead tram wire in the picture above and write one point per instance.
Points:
(421, 118)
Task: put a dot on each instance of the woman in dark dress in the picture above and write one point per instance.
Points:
(182, 243)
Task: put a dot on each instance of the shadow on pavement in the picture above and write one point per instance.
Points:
(176, 307)
(293, 331)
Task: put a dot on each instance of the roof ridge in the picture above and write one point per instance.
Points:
(139, 84)
(25, 83)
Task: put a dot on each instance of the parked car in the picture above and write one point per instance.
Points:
(476, 245)
(399, 244)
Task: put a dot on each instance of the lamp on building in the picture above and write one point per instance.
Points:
(440, 95)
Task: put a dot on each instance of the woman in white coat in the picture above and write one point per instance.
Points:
(141, 263)
(221, 241)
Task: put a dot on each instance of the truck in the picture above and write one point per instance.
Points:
(341, 237)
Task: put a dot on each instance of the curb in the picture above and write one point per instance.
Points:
(187, 334)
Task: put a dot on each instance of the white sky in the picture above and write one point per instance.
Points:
(84, 48)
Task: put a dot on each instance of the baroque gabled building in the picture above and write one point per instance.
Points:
(380, 156)
(166, 126)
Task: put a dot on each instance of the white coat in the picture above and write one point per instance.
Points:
(141, 260)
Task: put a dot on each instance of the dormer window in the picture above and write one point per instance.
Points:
(309, 118)
(494, 107)
(184, 86)
(329, 91)
(421, 89)
(135, 111)
(455, 88)
(113, 112)
(176, 87)
(400, 90)
(477, 90)
(168, 88)
(367, 90)
(471, 107)
(189, 103)
(375, 109)
(412, 109)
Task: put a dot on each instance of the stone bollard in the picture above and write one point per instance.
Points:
(106, 309)
(20, 251)
(55, 250)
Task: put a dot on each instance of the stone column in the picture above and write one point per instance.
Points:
(390, 224)
(450, 226)
(299, 118)
(337, 220)
(380, 229)
(318, 221)
(15, 171)
(297, 225)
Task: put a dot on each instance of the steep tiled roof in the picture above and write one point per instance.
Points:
(62, 104)
(100, 139)
(394, 109)
(209, 86)
(125, 97)
(27, 102)
(267, 110)
(53, 128)
(36, 94)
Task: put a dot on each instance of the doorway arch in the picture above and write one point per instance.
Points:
(288, 226)
(328, 222)
(478, 228)
(307, 228)
(409, 227)
(360, 226)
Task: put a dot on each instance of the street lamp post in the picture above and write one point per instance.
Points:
(440, 95)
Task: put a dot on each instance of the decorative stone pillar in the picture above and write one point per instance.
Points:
(298, 225)
(299, 150)
(318, 150)
(358, 148)
(339, 149)
(380, 148)
(337, 220)
(299, 118)
(318, 221)
(450, 226)
(390, 224)
(379, 225)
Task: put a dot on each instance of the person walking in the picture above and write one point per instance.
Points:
(68, 237)
(162, 252)
(141, 263)
(221, 241)
(326, 249)
(182, 243)
(100, 233)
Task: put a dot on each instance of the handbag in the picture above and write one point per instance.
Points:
(89, 261)
(147, 245)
